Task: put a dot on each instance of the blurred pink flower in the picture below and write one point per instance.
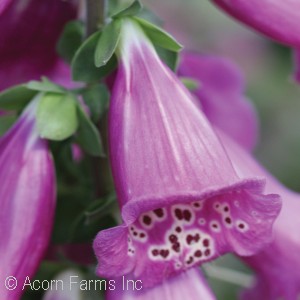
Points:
(27, 201)
(29, 31)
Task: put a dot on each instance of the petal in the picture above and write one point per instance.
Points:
(221, 94)
(165, 156)
(276, 18)
(27, 201)
(188, 285)
(27, 28)
(277, 266)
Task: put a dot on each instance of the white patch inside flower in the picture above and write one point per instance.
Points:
(137, 234)
(183, 214)
(215, 226)
(241, 226)
(202, 221)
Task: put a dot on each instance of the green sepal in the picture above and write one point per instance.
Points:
(83, 65)
(133, 9)
(88, 136)
(45, 86)
(6, 121)
(169, 57)
(108, 42)
(190, 83)
(16, 97)
(158, 36)
(70, 40)
(56, 116)
(96, 97)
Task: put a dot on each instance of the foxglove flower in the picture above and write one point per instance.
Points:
(29, 31)
(27, 201)
(221, 93)
(277, 266)
(182, 202)
(278, 277)
(277, 19)
(187, 285)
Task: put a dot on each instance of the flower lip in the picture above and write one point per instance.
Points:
(134, 208)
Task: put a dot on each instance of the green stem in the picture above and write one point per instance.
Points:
(95, 15)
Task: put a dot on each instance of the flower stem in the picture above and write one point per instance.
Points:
(95, 15)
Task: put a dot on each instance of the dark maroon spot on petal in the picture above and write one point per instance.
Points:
(197, 237)
(142, 235)
(164, 253)
(196, 204)
(190, 260)
(198, 253)
(214, 225)
(206, 242)
(207, 252)
(176, 247)
(131, 228)
(159, 212)
(178, 214)
(173, 238)
(147, 220)
(226, 209)
(178, 229)
(187, 215)
(228, 220)
(242, 226)
(155, 252)
(189, 239)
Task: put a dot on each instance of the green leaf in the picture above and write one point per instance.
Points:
(190, 83)
(6, 121)
(158, 36)
(16, 98)
(56, 116)
(169, 57)
(150, 16)
(107, 43)
(83, 65)
(70, 40)
(131, 10)
(96, 98)
(45, 86)
(88, 136)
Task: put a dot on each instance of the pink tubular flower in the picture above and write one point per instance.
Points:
(27, 202)
(277, 266)
(187, 285)
(182, 202)
(278, 276)
(221, 93)
(29, 31)
(275, 18)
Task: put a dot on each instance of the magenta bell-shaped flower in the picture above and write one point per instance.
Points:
(27, 202)
(278, 265)
(29, 31)
(278, 19)
(221, 95)
(182, 202)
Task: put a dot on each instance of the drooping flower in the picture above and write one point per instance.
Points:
(278, 265)
(27, 201)
(221, 93)
(29, 31)
(182, 203)
(277, 19)
(187, 285)
(278, 276)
